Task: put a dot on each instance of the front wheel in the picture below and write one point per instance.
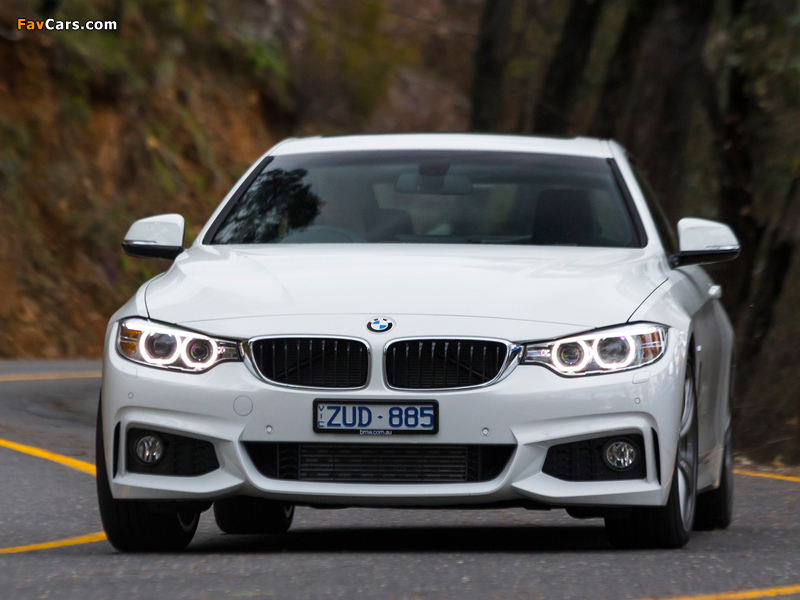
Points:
(715, 508)
(667, 526)
(134, 525)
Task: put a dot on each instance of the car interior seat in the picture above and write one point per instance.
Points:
(386, 224)
(343, 201)
(563, 217)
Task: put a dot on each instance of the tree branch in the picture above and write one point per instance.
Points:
(709, 98)
(621, 68)
(491, 59)
(563, 76)
(779, 247)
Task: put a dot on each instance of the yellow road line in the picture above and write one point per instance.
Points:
(73, 541)
(99, 536)
(745, 595)
(767, 475)
(64, 460)
(750, 594)
(48, 376)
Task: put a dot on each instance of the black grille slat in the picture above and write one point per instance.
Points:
(443, 364)
(274, 353)
(458, 365)
(379, 463)
(310, 362)
(347, 367)
(408, 348)
(335, 363)
(313, 362)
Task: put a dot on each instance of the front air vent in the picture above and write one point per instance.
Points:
(183, 456)
(379, 463)
(312, 362)
(583, 460)
(443, 363)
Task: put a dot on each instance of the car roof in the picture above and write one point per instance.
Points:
(578, 146)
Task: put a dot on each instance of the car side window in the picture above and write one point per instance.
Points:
(666, 232)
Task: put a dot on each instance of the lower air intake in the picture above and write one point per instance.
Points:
(379, 463)
(183, 456)
(583, 460)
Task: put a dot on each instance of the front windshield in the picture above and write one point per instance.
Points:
(431, 197)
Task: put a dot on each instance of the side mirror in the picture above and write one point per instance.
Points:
(704, 242)
(155, 237)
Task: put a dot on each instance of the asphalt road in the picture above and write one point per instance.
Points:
(414, 554)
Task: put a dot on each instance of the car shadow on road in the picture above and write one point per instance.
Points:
(521, 539)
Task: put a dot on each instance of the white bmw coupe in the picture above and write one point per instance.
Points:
(422, 321)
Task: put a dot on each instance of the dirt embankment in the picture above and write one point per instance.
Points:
(82, 156)
(98, 129)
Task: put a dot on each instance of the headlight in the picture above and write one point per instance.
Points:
(168, 347)
(603, 351)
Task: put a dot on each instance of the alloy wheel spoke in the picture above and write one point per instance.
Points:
(685, 451)
(687, 472)
(687, 456)
(688, 410)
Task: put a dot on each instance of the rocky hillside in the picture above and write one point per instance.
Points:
(98, 129)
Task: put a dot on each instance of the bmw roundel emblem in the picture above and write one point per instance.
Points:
(380, 325)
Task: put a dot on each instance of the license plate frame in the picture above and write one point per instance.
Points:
(388, 431)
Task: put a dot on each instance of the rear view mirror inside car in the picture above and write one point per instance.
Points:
(445, 185)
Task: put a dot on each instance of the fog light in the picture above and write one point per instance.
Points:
(149, 449)
(620, 455)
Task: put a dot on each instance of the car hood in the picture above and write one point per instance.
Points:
(584, 287)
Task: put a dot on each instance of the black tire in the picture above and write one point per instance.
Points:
(715, 508)
(133, 525)
(247, 515)
(666, 526)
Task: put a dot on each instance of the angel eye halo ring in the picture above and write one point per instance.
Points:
(571, 356)
(168, 347)
(607, 350)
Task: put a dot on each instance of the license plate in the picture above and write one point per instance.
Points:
(376, 418)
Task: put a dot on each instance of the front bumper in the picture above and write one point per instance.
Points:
(532, 409)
